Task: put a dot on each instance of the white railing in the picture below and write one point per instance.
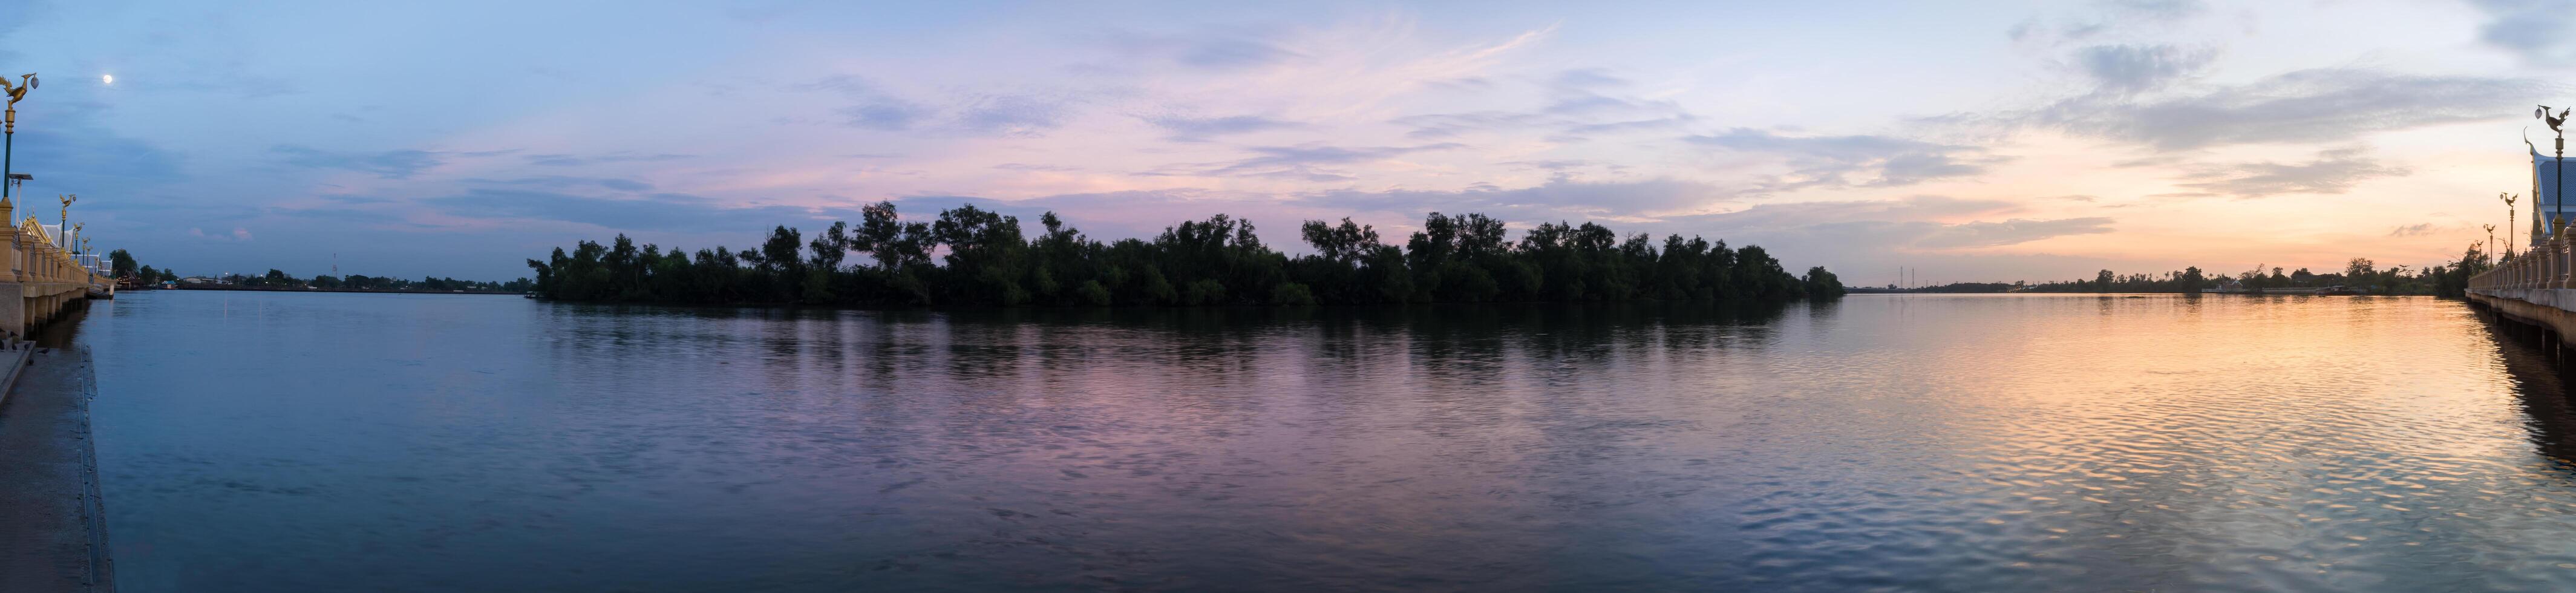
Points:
(2546, 266)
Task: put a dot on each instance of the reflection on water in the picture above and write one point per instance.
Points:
(2547, 399)
(256, 442)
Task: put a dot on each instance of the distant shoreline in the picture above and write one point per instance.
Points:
(364, 290)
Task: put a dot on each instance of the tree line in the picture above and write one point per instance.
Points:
(972, 256)
(280, 279)
(2448, 279)
(123, 265)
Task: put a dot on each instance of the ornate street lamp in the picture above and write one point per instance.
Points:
(10, 133)
(2559, 207)
(66, 229)
(2508, 219)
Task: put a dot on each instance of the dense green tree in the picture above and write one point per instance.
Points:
(984, 259)
(120, 263)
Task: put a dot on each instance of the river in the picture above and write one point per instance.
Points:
(343, 442)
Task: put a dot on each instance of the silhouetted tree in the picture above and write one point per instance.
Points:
(986, 260)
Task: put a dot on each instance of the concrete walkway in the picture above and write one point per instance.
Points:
(53, 536)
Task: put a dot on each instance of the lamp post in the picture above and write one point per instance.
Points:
(2508, 219)
(2558, 207)
(65, 231)
(9, 134)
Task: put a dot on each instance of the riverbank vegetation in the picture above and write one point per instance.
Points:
(280, 280)
(972, 256)
(2449, 279)
(124, 266)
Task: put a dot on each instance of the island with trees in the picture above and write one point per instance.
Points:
(982, 258)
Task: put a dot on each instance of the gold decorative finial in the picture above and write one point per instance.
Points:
(15, 92)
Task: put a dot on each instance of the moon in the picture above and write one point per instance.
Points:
(107, 79)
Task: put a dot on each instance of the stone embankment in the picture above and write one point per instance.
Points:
(53, 528)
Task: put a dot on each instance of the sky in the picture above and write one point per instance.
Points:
(1973, 141)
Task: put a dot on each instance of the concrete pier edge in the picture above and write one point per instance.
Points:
(53, 520)
(2542, 308)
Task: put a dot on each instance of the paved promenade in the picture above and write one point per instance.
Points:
(52, 535)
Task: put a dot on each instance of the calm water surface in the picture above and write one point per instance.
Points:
(289, 442)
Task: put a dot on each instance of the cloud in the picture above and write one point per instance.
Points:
(2136, 68)
(238, 234)
(2161, 10)
(1559, 198)
(2333, 172)
(1854, 160)
(2539, 31)
(653, 212)
(341, 215)
(2008, 232)
(1220, 49)
(565, 160)
(2319, 105)
(871, 107)
(1202, 129)
(391, 164)
(1450, 125)
(564, 182)
(2422, 228)
(1299, 162)
(2110, 18)
(1848, 233)
(1581, 132)
(1015, 116)
(77, 153)
(1587, 78)
(1030, 167)
(890, 115)
(1577, 110)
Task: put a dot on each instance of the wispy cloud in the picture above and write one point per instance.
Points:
(1202, 129)
(656, 212)
(1016, 115)
(1857, 160)
(2333, 172)
(869, 106)
(566, 160)
(390, 164)
(1304, 162)
(2136, 68)
(2540, 31)
(1216, 49)
(2319, 105)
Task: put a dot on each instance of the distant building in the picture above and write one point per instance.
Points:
(199, 280)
